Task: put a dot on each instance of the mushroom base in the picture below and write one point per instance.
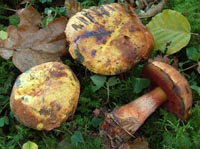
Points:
(116, 131)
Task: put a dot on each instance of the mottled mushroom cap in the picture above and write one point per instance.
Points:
(174, 84)
(45, 96)
(108, 40)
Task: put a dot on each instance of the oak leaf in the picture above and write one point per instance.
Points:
(28, 45)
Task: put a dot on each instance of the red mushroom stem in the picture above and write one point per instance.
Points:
(142, 107)
(136, 111)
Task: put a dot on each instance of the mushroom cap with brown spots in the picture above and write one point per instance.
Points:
(108, 39)
(45, 96)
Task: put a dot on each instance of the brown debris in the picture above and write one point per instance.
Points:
(72, 7)
(149, 8)
(28, 45)
(164, 58)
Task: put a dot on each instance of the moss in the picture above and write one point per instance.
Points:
(190, 9)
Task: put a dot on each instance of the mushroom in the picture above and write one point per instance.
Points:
(45, 96)
(108, 39)
(172, 91)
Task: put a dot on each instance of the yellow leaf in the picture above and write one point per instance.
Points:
(30, 145)
(171, 31)
(3, 35)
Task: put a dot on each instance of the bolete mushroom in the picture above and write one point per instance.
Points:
(108, 39)
(172, 91)
(45, 96)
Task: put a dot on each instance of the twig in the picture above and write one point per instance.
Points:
(197, 36)
(188, 68)
(153, 10)
(9, 9)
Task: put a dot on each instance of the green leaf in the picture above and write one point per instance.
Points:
(139, 84)
(30, 145)
(98, 81)
(14, 20)
(101, 2)
(77, 137)
(45, 1)
(112, 81)
(171, 31)
(4, 121)
(193, 53)
(196, 88)
(96, 122)
(3, 35)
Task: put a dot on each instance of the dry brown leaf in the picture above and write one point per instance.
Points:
(29, 17)
(26, 58)
(6, 53)
(72, 7)
(29, 45)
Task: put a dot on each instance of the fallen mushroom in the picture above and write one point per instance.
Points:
(172, 91)
(108, 40)
(45, 96)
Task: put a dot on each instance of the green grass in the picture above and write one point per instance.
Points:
(162, 130)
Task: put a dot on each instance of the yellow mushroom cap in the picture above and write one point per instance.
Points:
(45, 96)
(107, 39)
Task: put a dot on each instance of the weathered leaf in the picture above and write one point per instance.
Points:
(171, 31)
(29, 17)
(29, 45)
(30, 145)
(26, 58)
(72, 7)
(6, 53)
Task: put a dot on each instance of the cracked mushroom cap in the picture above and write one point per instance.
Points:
(174, 84)
(45, 96)
(108, 40)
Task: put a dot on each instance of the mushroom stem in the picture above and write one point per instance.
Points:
(122, 122)
(142, 107)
